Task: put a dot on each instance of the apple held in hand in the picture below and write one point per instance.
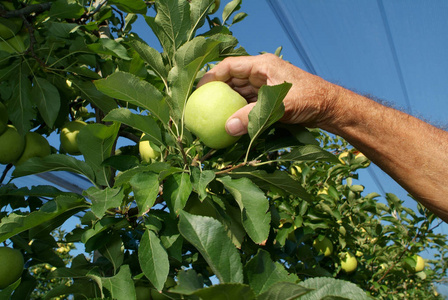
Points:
(35, 146)
(68, 136)
(12, 145)
(11, 266)
(207, 111)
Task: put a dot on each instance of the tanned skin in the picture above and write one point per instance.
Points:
(413, 152)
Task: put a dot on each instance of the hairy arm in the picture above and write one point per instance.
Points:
(414, 153)
(411, 151)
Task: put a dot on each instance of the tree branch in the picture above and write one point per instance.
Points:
(26, 11)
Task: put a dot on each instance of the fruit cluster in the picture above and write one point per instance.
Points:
(16, 148)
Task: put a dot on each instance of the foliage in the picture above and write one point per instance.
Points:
(238, 221)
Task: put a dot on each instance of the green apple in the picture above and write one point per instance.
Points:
(143, 292)
(12, 145)
(349, 263)
(323, 246)
(68, 136)
(3, 118)
(207, 111)
(9, 27)
(11, 266)
(419, 264)
(35, 146)
(146, 151)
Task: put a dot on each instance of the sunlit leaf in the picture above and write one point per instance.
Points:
(128, 87)
(254, 207)
(153, 259)
(208, 236)
(176, 189)
(120, 286)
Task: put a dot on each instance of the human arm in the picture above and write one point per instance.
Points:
(411, 151)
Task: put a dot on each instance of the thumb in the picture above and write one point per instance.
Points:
(237, 123)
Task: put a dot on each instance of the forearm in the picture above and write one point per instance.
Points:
(411, 151)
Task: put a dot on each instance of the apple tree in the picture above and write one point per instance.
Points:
(279, 214)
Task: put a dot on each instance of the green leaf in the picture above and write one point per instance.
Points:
(171, 24)
(54, 162)
(209, 237)
(198, 13)
(114, 251)
(188, 282)
(226, 291)
(66, 9)
(201, 179)
(104, 199)
(309, 153)
(130, 6)
(176, 190)
(262, 273)
(14, 224)
(143, 123)
(254, 207)
(229, 9)
(330, 288)
(268, 110)
(190, 59)
(145, 186)
(88, 91)
(278, 180)
(284, 291)
(47, 99)
(152, 57)
(130, 88)
(20, 107)
(153, 259)
(111, 47)
(120, 286)
(96, 142)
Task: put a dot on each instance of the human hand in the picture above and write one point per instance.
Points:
(309, 101)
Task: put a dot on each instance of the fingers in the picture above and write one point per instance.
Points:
(237, 123)
(238, 71)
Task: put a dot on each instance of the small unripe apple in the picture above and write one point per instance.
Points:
(419, 264)
(68, 136)
(35, 146)
(12, 145)
(146, 151)
(207, 111)
(349, 263)
(11, 266)
(3, 118)
(324, 246)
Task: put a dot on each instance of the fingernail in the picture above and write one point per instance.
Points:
(235, 127)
